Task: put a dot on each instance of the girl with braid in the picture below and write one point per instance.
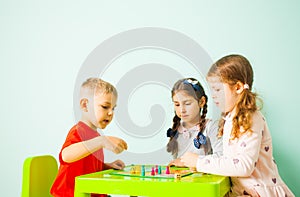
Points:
(247, 144)
(191, 130)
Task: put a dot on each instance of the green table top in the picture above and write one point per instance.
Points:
(197, 184)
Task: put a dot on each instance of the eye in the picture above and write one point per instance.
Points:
(176, 104)
(104, 107)
(188, 103)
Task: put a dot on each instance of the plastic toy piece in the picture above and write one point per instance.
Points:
(177, 176)
(159, 170)
(167, 170)
(143, 171)
(152, 171)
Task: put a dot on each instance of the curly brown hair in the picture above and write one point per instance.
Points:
(231, 70)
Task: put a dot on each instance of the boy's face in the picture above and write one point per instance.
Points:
(100, 110)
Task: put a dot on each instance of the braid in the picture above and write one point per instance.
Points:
(172, 145)
(221, 125)
(203, 116)
(176, 123)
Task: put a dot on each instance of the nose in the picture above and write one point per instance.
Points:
(110, 112)
(182, 109)
(213, 95)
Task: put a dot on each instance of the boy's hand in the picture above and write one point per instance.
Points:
(189, 159)
(114, 144)
(118, 165)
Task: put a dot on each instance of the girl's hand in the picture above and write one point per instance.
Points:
(176, 162)
(117, 165)
(189, 159)
(114, 144)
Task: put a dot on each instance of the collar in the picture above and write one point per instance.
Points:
(187, 132)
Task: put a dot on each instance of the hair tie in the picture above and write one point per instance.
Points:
(171, 132)
(199, 140)
(246, 86)
(193, 83)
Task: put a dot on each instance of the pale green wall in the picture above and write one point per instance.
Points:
(44, 43)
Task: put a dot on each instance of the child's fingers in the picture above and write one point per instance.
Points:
(120, 164)
(117, 145)
(120, 147)
(117, 166)
(124, 145)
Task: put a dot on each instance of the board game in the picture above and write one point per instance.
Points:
(153, 171)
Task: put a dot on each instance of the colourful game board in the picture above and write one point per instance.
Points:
(153, 171)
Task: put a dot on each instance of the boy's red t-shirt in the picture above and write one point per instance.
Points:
(64, 183)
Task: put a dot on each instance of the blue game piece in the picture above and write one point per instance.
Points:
(143, 170)
(159, 169)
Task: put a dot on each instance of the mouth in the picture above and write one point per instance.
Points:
(106, 121)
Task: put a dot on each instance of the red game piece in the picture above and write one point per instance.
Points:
(152, 171)
(167, 170)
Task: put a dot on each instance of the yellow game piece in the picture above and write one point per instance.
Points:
(177, 176)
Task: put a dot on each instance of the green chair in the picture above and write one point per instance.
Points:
(39, 173)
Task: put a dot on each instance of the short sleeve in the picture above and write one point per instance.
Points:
(72, 138)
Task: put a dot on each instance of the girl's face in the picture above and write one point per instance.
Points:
(187, 108)
(224, 96)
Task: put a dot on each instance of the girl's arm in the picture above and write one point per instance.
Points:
(77, 151)
(176, 162)
(238, 158)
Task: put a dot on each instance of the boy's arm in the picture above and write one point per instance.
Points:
(79, 150)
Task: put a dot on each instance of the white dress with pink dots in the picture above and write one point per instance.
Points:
(248, 161)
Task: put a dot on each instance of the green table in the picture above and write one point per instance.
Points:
(197, 184)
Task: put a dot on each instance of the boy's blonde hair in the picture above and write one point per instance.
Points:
(97, 86)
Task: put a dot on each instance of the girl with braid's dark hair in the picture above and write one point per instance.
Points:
(191, 130)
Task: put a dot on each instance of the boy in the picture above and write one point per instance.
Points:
(82, 152)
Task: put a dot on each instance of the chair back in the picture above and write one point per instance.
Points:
(39, 173)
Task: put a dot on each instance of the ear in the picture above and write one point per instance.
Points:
(84, 104)
(239, 86)
(202, 102)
